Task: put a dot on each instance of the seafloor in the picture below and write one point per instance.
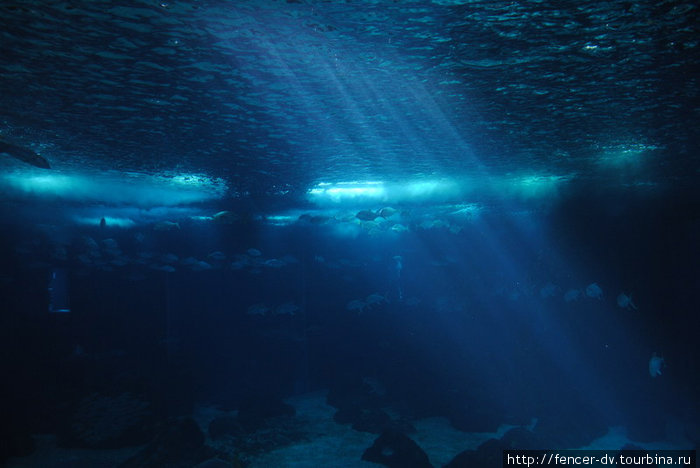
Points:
(309, 439)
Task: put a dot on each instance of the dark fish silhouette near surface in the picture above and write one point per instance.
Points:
(24, 154)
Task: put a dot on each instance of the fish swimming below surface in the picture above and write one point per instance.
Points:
(24, 154)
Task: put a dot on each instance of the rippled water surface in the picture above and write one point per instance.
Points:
(276, 96)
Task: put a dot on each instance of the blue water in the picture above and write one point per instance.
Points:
(485, 212)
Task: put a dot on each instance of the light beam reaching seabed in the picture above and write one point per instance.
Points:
(504, 249)
(380, 121)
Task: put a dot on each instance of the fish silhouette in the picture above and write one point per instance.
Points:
(24, 154)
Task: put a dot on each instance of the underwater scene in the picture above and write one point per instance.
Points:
(306, 233)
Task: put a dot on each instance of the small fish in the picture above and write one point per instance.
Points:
(288, 308)
(624, 301)
(655, 364)
(387, 212)
(356, 306)
(217, 256)
(572, 295)
(375, 298)
(548, 290)
(169, 259)
(253, 252)
(594, 291)
(366, 215)
(273, 263)
(201, 265)
(225, 217)
(166, 226)
(258, 309)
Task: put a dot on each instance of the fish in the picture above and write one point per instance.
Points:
(387, 212)
(274, 263)
(24, 155)
(258, 309)
(166, 226)
(399, 228)
(288, 308)
(225, 217)
(375, 298)
(200, 265)
(572, 295)
(366, 215)
(253, 252)
(624, 301)
(548, 290)
(594, 291)
(655, 364)
(356, 306)
(217, 256)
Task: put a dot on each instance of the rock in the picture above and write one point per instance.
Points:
(396, 450)
(371, 420)
(179, 443)
(520, 438)
(482, 418)
(214, 463)
(490, 453)
(225, 425)
(569, 427)
(254, 410)
(101, 421)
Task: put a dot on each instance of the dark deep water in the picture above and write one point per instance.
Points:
(484, 212)
(467, 331)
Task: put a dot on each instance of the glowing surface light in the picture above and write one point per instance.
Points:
(534, 186)
(437, 190)
(343, 191)
(625, 156)
(114, 188)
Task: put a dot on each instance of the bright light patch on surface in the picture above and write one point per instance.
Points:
(114, 188)
(440, 190)
(427, 189)
(377, 191)
(624, 156)
(281, 220)
(536, 186)
(344, 191)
